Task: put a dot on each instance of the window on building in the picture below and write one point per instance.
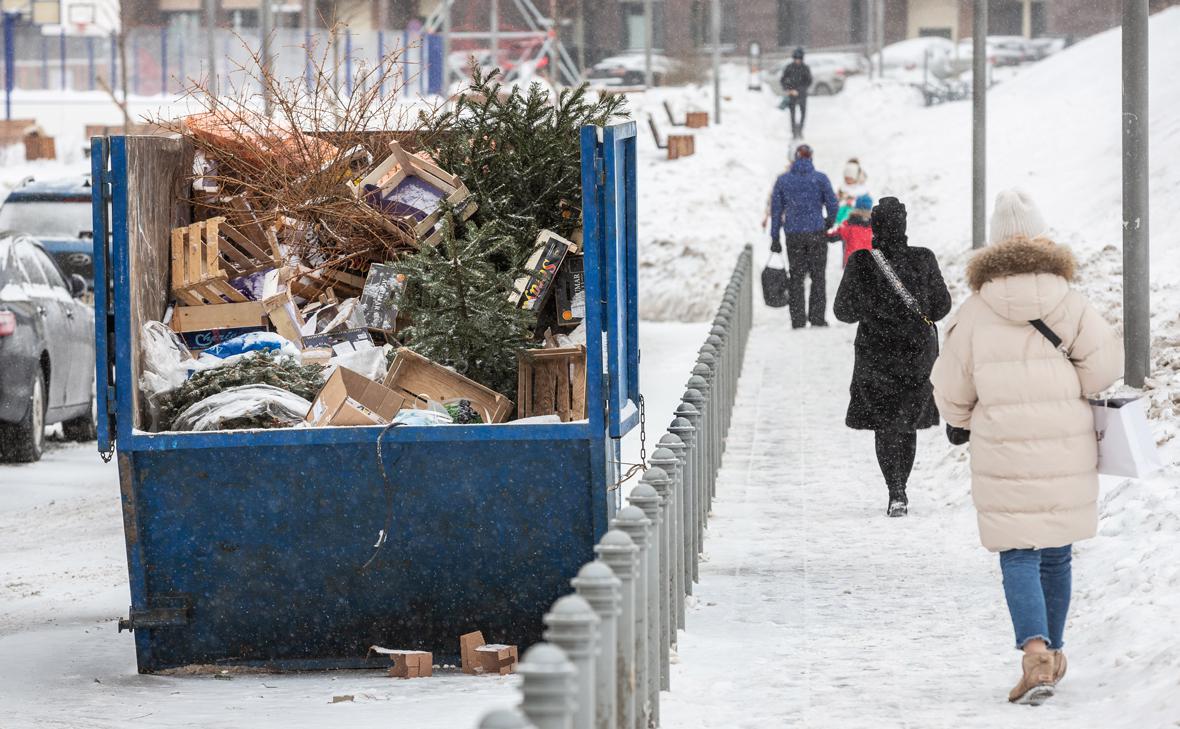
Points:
(1005, 17)
(794, 22)
(935, 33)
(1040, 19)
(702, 23)
(633, 26)
(859, 14)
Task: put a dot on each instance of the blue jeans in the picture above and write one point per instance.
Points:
(1037, 586)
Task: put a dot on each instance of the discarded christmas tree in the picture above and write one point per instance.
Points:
(457, 299)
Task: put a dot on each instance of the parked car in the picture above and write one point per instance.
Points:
(628, 69)
(46, 351)
(828, 74)
(933, 53)
(58, 214)
(998, 54)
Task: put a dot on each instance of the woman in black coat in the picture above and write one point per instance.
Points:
(896, 344)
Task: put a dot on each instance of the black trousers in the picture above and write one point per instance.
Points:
(807, 256)
(799, 102)
(895, 456)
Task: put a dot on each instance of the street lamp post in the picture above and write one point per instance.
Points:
(1136, 241)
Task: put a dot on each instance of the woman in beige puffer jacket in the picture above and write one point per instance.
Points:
(1034, 453)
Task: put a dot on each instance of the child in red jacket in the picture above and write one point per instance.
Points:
(857, 231)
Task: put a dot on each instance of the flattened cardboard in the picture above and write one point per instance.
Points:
(350, 398)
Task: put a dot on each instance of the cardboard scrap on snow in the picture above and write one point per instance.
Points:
(497, 659)
(407, 663)
(468, 643)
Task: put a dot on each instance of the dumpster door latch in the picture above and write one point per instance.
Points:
(164, 611)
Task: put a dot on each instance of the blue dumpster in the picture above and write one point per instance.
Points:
(258, 547)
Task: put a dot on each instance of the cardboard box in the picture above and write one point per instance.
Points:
(497, 659)
(349, 398)
(468, 643)
(532, 290)
(349, 340)
(407, 664)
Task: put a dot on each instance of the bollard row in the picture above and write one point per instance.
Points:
(607, 652)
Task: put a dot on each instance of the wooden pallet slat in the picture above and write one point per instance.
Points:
(206, 255)
(552, 382)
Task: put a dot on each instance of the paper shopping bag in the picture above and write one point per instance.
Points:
(1126, 446)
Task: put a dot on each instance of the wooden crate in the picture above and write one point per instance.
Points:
(681, 145)
(417, 379)
(39, 146)
(552, 382)
(413, 187)
(696, 119)
(206, 255)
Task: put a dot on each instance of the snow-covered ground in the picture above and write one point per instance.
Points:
(813, 610)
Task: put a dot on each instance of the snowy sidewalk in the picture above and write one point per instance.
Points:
(814, 609)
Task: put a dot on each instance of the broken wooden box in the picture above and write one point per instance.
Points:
(407, 186)
(418, 380)
(207, 255)
(552, 382)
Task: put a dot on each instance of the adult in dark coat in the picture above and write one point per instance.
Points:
(895, 346)
(796, 82)
(804, 207)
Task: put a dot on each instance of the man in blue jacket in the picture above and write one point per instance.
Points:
(804, 207)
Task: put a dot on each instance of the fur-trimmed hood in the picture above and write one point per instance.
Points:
(1020, 255)
(1022, 279)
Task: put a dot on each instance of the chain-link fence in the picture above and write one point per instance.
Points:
(166, 60)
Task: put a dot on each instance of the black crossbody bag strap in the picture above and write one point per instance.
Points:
(1051, 335)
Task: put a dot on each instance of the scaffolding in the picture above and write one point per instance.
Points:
(540, 27)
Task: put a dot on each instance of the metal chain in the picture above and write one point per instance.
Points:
(635, 468)
(108, 454)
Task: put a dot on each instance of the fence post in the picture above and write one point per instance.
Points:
(710, 368)
(631, 520)
(703, 402)
(657, 479)
(714, 344)
(700, 467)
(683, 429)
(665, 459)
(599, 586)
(572, 626)
(646, 498)
(547, 687)
(90, 62)
(620, 554)
(504, 719)
(163, 60)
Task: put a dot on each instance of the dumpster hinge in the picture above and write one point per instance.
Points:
(167, 611)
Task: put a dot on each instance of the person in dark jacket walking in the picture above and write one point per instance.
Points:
(896, 343)
(803, 205)
(796, 81)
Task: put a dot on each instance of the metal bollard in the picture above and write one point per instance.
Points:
(645, 497)
(701, 384)
(599, 586)
(547, 687)
(620, 554)
(660, 483)
(665, 459)
(672, 442)
(504, 719)
(694, 397)
(683, 428)
(705, 369)
(632, 520)
(714, 341)
(572, 626)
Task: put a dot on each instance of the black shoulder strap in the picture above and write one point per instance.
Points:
(1049, 334)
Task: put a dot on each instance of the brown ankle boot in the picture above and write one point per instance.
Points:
(1059, 665)
(1036, 684)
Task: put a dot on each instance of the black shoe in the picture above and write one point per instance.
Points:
(898, 504)
(819, 324)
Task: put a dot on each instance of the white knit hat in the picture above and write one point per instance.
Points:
(1016, 215)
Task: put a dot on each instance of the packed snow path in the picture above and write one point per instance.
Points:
(813, 608)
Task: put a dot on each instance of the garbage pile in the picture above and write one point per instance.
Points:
(329, 284)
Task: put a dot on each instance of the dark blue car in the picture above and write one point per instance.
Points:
(57, 213)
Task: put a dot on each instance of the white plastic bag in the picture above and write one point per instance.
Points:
(165, 360)
(369, 362)
(286, 408)
(1126, 446)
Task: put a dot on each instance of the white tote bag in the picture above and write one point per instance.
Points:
(1126, 446)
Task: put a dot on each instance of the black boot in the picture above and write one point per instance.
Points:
(898, 504)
